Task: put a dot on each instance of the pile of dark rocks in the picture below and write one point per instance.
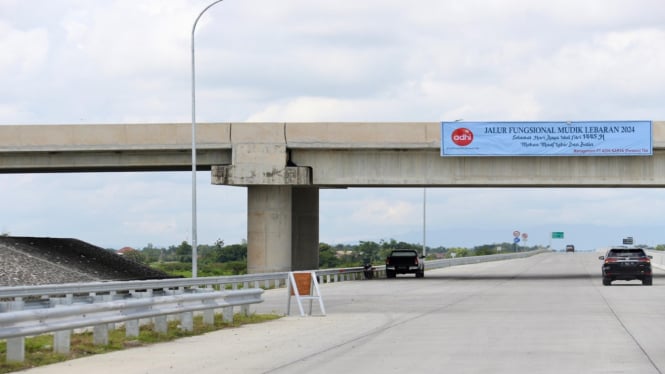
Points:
(26, 261)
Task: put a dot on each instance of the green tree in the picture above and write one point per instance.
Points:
(369, 251)
(484, 250)
(184, 252)
(458, 252)
(151, 253)
(327, 257)
(135, 256)
(234, 252)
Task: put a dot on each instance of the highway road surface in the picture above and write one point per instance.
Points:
(546, 314)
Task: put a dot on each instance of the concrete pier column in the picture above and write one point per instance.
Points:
(282, 228)
(305, 228)
(269, 220)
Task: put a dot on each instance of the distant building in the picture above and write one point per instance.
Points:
(124, 250)
(340, 254)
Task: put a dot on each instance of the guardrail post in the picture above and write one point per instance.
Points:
(187, 321)
(208, 314)
(16, 349)
(17, 304)
(62, 342)
(161, 325)
(16, 346)
(227, 314)
(105, 298)
(62, 339)
(100, 334)
(132, 328)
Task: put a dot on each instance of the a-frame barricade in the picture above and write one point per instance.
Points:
(304, 286)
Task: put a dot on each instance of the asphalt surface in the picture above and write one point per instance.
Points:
(548, 313)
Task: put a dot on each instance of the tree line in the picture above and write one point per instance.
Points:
(220, 259)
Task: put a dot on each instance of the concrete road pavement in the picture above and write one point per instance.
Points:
(544, 314)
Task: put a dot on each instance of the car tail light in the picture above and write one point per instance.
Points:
(610, 260)
(644, 259)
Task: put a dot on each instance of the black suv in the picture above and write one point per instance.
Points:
(626, 264)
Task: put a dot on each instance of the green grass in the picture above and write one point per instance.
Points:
(39, 349)
(184, 269)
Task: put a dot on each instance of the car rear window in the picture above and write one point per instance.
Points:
(403, 254)
(626, 253)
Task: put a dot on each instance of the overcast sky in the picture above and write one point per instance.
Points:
(128, 61)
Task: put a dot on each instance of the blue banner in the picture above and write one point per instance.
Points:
(591, 138)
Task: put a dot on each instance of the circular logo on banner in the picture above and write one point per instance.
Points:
(462, 136)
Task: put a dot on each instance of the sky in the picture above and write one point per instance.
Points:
(128, 61)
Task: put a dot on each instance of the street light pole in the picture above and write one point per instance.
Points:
(194, 230)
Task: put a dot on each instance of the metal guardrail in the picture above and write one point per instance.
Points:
(44, 296)
(16, 326)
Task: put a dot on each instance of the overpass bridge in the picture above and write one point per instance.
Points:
(283, 166)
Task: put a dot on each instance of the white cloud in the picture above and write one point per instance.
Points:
(76, 61)
(25, 51)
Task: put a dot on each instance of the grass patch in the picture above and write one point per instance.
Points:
(39, 349)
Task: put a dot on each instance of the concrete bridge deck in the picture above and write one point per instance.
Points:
(330, 155)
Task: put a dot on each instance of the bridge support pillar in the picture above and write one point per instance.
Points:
(305, 228)
(282, 228)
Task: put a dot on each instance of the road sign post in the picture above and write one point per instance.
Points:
(556, 235)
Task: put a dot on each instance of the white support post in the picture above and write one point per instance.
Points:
(209, 317)
(16, 349)
(227, 314)
(132, 328)
(100, 334)
(62, 342)
(161, 324)
(187, 321)
(304, 286)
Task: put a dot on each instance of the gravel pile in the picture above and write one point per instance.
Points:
(28, 261)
